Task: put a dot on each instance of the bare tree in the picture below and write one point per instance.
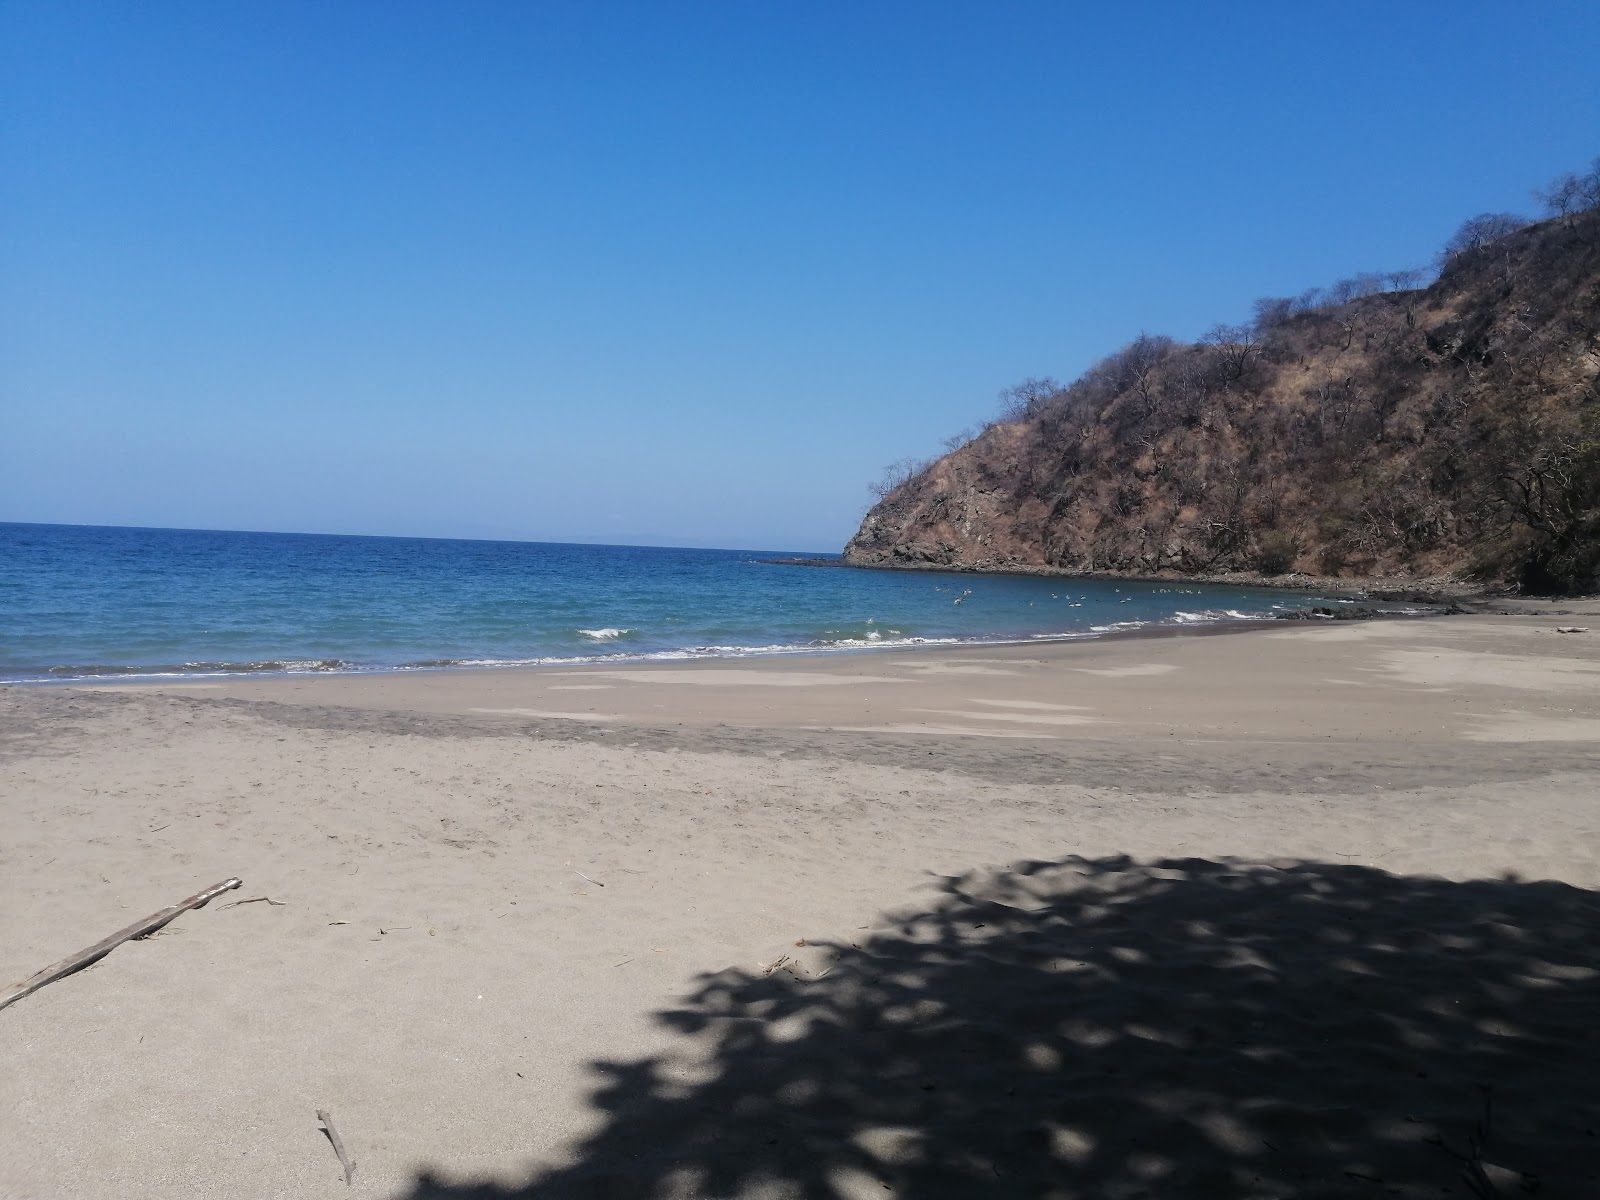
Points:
(1334, 405)
(957, 440)
(1479, 231)
(1404, 279)
(1269, 312)
(1023, 400)
(1571, 193)
(1342, 291)
(1368, 283)
(1562, 196)
(896, 475)
(1137, 363)
(1382, 403)
(1237, 345)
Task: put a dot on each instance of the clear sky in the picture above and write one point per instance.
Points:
(684, 273)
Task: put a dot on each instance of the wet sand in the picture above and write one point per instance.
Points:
(492, 880)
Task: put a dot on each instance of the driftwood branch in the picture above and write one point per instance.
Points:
(100, 949)
(325, 1123)
(253, 900)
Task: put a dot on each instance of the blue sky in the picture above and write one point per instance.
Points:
(681, 273)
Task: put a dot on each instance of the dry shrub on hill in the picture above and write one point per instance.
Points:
(1371, 428)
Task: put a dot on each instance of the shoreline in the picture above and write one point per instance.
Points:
(1223, 665)
(1420, 607)
(1172, 628)
(1441, 587)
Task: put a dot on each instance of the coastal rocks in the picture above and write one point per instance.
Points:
(1432, 606)
(1323, 612)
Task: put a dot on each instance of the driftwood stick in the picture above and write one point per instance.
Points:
(325, 1122)
(100, 949)
(253, 900)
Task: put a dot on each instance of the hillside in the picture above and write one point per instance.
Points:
(1452, 429)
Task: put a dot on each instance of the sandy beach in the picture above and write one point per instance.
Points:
(1307, 910)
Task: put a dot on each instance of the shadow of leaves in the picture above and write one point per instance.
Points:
(1111, 1029)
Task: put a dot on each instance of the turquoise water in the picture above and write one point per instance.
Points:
(83, 602)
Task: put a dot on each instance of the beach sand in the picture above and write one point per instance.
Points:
(1300, 911)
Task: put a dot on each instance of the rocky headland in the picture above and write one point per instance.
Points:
(1446, 436)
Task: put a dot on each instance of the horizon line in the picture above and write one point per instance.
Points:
(418, 537)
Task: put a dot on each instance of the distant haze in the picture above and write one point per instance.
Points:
(688, 274)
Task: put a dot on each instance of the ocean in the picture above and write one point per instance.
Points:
(81, 602)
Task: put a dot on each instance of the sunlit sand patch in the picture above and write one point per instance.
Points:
(552, 716)
(1120, 672)
(957, 668)
(137, 687)
(1350, 631)
(740, 677)
(1021, 718)
(942, 730)
(580, 687)
(1440, 666)
(1531, 727)
(1031, 704)
(994, 662)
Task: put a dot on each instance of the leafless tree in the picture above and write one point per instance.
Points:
(1382, 403)
(1341, 291)
(1477, 232)
(1023, 400)
(1368, 283)
(1334, 406)
(1237, 345)
(1404, 279)
(1571, 193)
(896, 475)
(1137, 363)
(1554, 485)
(957, 440)
(1269, 312)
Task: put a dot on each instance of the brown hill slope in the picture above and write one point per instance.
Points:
(1451, 429)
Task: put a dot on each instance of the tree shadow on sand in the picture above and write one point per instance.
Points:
(1113, 1029)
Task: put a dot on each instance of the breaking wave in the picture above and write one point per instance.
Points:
(1226, 614)
(830, 641)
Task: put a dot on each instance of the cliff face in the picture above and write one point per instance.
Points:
(1453, 429)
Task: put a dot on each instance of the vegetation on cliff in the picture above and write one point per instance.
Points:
(1373, 428)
